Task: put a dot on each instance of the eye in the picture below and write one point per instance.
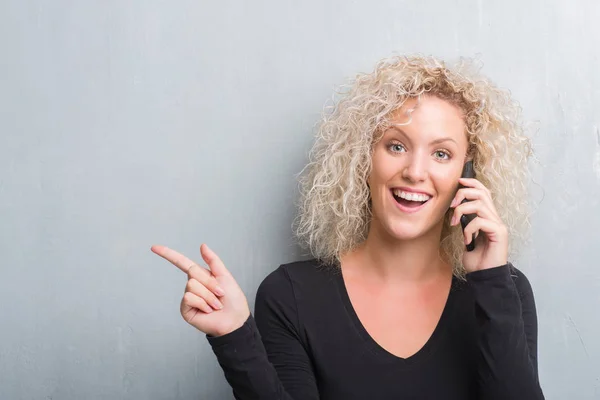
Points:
(396, 148)
(442, 155)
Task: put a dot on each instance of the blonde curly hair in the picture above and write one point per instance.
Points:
(334, 203)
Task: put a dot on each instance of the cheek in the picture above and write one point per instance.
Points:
(379, 179)
(446, 184)
(383, 167)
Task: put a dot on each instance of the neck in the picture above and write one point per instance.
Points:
(400, 261)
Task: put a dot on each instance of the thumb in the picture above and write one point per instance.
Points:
(214, 262)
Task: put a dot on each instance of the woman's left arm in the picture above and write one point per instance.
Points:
(504, 303)
(507, 334)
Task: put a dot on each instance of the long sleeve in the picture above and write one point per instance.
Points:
(507, 334)
(265, 359)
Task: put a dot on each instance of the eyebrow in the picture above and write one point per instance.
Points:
(436, 141)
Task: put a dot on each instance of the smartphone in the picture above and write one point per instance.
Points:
(468, 172)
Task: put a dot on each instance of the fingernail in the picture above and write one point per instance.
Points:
(217, 304)
(453, 222)
(219, 291)
(453, 203)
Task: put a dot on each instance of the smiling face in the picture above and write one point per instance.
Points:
(416, 166)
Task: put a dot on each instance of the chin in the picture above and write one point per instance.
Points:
(404, 230)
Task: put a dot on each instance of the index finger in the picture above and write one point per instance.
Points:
(174, 257)
(473, 183)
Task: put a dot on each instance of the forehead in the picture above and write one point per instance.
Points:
(429, 115)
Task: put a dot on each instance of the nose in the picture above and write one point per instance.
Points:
(415, 169)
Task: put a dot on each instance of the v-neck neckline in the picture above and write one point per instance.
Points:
(423, 353)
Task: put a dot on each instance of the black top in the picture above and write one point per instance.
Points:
(314, 346)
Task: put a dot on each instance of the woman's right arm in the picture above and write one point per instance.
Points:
(282, 370)
(278, 366)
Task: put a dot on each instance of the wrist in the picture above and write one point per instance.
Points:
(490, 273)
(225, 330)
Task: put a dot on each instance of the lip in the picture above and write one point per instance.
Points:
(409, 190)
(408, 210)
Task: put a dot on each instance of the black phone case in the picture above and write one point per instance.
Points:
(468, 172)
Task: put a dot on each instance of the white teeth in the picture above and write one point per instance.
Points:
(411, 196)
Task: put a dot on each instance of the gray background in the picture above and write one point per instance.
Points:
(129, 123)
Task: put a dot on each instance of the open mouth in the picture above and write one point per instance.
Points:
(410, 200)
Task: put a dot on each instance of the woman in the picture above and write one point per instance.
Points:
(392, 306)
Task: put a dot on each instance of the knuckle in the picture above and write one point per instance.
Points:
(191, 283)
(188, 297)
(192, 270)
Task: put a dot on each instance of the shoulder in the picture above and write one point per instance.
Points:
(291, 294)
(296, 273)
(521, 282)
(291, 278)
